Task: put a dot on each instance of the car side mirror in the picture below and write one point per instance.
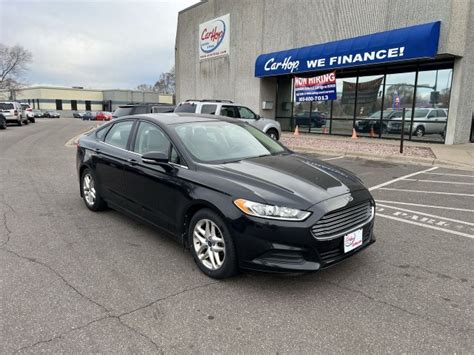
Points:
(257, 117)
(157, 158)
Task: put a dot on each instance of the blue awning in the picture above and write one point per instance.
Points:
(420, 41)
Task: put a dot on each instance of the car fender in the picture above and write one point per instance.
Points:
(269, 123)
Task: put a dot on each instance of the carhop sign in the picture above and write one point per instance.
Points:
(420, 41)
(214, 37)
(318, 88)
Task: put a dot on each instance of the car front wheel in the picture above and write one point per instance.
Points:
(272, 133)
(211, 245)
(91, 196)
(419, 131)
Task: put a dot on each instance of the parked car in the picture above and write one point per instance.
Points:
(364, 124)
(78, 114)
(88, 116)
(229, 109)
(28, 112)
(38, 113)
(103, 116)
(425, 121)
(3, 122)
(136, 109)
(51, 114)
(13, 112)
(316, 119)
(224, 189)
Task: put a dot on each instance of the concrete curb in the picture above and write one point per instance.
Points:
(389, 158)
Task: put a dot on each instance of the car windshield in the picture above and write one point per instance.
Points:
(123, 111)
(5, 106)
(186, 107)
(223, 142)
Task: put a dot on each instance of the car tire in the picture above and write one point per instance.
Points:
(272, 133)
(419, 131)
(211, 245)
(20, 122)
(32, 120)
(89, 191)
(3, 123)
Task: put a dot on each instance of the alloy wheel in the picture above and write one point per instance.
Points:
(88, 189)
(209, 244)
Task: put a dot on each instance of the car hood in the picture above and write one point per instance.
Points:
(291, 180)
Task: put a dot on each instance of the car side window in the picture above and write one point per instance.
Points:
(175, 157)
(100, 134)
(150, 138)
(246, 113)
(118, 134)
(441, 113)
(229, 111)
(433, 114)
(209, 109)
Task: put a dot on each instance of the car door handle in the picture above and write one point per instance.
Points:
(132, 161)
(97, 150)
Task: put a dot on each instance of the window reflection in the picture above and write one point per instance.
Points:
(369, 103)
(343, 106)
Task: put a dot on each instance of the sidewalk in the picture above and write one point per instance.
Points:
(453, 156)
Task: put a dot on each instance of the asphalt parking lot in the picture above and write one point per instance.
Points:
(74, 281)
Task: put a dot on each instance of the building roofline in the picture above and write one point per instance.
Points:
(78, 89)
(192, 6)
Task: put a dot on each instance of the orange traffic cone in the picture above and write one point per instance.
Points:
(354, 134)
(372, 134)
(325, 130)
(297, 131)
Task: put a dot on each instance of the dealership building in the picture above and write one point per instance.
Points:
(67, 99)
(391, 64)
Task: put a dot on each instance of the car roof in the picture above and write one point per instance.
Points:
(180, 117)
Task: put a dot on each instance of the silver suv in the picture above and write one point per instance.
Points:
(425, 121)
(13, 112)
(229, 109)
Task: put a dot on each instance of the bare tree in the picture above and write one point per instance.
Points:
(167, 83)
(145, 87)
(13, 63)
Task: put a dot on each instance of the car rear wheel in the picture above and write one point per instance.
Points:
(3, 123)
(419, 131)
(211, 245)
(91, 196)
(273, 133)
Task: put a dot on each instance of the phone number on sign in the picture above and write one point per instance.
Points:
(314, 98)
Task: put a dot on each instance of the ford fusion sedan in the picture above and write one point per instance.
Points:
(235, 197)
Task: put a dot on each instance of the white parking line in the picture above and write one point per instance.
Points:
(401, 178)
(427, 206)
(333, 158)
(441, 182)
(447, 174)
(426, 226)
(427, 214)
(427, 192)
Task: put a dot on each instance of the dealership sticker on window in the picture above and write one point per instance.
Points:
(317, 88)
(352, 240)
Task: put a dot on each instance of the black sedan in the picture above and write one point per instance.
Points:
(234, 196)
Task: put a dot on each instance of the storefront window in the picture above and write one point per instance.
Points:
(399, 90)
(343, 106)
(369, 104)
(432, 102)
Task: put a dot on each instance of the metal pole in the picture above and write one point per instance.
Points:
(310, 114)
(403, 130)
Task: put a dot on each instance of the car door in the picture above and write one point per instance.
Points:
(110, 157)
(250, 117)
(229, 111)
(430, 123)
(440, 121)
(153, 190)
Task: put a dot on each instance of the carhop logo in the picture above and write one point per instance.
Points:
(212, 36)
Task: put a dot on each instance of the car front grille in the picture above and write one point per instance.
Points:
(340, 222)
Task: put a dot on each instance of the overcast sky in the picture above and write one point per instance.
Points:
(95, 44)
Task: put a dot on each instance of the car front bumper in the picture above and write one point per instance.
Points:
(283, 246)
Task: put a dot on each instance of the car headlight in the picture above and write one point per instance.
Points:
(269, 211)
